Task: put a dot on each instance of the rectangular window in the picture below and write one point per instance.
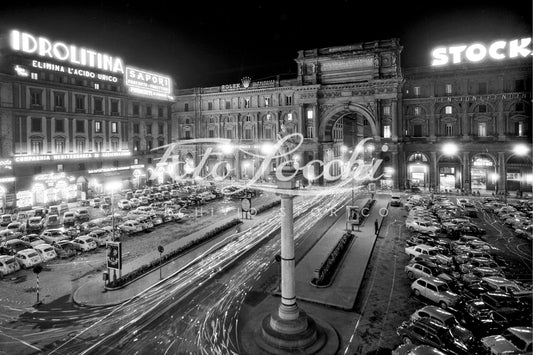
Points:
(60, 125)
(114, 127)
(288, 100)
(114, 107)
(59, 99)
(114, 146)
(289, 116)
(482, 129)
(448, 129)
(268, 133)
(267, 101)
(136, 128)
(59, 146)
(36, 97)
(136, 109)
(80, 103)
(386, 110)
(98, 145)
(186, 107)
(148, 129)
(159, 112)
(416, 90)
(160, 129)
(482, 88)
(247, 133)
(448, 89)
(36, 147)
(98, 127)
(209, 105)
(519, 129)
(136, 146)
(98, 106)
(309, 131)
(386, 131)
(211, 133)
(80, 146)
(417, 130)
(97, 86)
(34, 76)
(448, 110)
(60, 168)
(80, 126)
(228, 104)
(246, 103)
(148, 110)
(187, 134)
(417, 111)
(36, 124)
(229, 133)
(309, 113)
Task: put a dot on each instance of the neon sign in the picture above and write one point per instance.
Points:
(144, 83)
(32, 158)
(477, 52)
(27, 43)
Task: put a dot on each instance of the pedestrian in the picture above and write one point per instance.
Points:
(376, 226)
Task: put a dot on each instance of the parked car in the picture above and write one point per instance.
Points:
(85, 243)
(501, 284)
(82, 214)
(8, 265)
(13, 246)
(39, 212)
(130, 226)
(17, 227)
(28, 258)
(53, 235)
(435, 290)
(65, 249)
(5, 219)
(46, 252)
(95, 202)
(52, 221)
(474, 314)
(514, 340)
(7, 234)
(429, 332)
(100, 236)
(33, 239)
(69, 219)
(446, 319)
(421, 249)
(34, 225)
(124, 204)
(422, 226)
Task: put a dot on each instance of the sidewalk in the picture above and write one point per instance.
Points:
(93, 293)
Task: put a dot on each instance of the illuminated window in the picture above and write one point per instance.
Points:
(80, 103)
(59, 99)
(149, 129)
(36, 146)
(36, 97)
(161, 129)
(386, 131)
(417, 111)
(416, 90)
(309, 113)
(136, 128)
(114, 127)
(289, 116)
(60, 168)
(34, 76)
(36, 124)
(448, 110)
(186, 107)
(98, 145)
(519, 128)
(288, 100)
(268, 116)
(448, 89)
(98, 105)
(136, 145)
(97, 86)
(246, 103)
(448, 129)
(482, 129)
(114, 145)
(59, 146)
(98, 127)
(60, 125)
(80, 126)
(80, 145)
(267, 101)
(209, 105)
(386, 110)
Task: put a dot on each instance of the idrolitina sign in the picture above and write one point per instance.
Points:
(353, 172)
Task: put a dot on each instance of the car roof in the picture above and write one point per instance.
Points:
(26, 251)
(436, 311)
(432, 279)
(524, 333)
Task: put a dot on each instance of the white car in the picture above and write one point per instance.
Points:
(53, 235)
(435, 290)
(84, 243)
(8, 265)
(130, 226)
(100, 236)
(28, 258)
(17, 228)
(514, 340)
(422, 226)
(124, 204)
(46, 251)
(425, 249)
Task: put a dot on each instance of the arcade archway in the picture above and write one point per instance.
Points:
(483, 175)
(417, 170)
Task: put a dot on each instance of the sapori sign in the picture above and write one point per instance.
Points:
(477, 52)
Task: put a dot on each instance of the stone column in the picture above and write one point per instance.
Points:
(466, 172)
(432, 122)
(502, 172)
(396, 177)
(433, 171)
(465, 121)
(394, 120)
(501, 127)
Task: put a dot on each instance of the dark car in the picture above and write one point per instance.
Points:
(64, 249)
(475, 315)
(508, 309)
(429, 332)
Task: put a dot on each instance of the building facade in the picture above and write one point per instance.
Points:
(454, 127)
(73, 120)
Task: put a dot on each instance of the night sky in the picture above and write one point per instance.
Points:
(202, 43)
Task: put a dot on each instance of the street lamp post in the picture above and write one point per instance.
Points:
(112, 187)
(518, 150)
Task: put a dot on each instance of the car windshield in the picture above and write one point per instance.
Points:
(31, 255)
(513, 339)
(9, 261)
(442, 288)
